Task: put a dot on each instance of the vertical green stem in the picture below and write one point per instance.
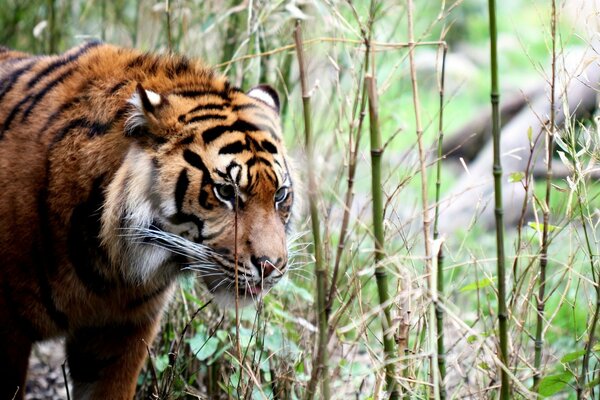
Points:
(498, 209)
(439, 312)
(168, 23)
(380, 273)
(320, 368)
(433, 367)
(52, 28)
(541, 301)
(104, 21)
(581, 382)
(136, 23)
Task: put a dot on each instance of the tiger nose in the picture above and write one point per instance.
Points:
(266, 265)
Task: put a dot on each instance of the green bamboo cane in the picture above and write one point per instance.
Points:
(168, 26)
(320, 368)
(433, 365)
(581, 382)
(439, 312)
(498, 209)
(52, 28)
(541, 301)
(380, 273)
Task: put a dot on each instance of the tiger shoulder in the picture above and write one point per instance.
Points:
(120, 171)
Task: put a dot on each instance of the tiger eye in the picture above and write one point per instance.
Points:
(281, 194)
(226, 192)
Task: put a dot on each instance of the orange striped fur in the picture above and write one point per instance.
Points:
(120, 171)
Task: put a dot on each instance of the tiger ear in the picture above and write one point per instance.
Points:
(147, 101)
(266, 94)
(145, 119)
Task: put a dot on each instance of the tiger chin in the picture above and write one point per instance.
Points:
(120, 171)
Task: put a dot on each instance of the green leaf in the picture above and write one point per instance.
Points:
(202, 347)
(516, 177)
(593, 383)
(540, 227)
(567, 358)
(274, 342)
(485, 282)
(161, 362)
(222, 335)
(553, 384)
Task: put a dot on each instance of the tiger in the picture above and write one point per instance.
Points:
(122, 171)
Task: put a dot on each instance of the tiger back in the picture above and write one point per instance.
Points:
(121, 171)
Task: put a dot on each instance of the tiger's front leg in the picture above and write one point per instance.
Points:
(105, 361)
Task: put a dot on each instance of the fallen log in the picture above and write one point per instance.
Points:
(471, 196)
(466, 141)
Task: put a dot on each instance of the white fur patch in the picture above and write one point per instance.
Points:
(263, 96)
(129, 195)
(137, 117)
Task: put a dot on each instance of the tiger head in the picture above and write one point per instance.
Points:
(205, 185)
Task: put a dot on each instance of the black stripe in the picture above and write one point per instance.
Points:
(63, 60)
(206, 117)
(177, 66)
(138, 61)
(239, 126)
(61, 110)
(246, 106)
(83, 242)
(187, 140)
(116, 87)
(208, 106)
(198, 93)
(270, 147)
(8, 82)
(181, 188)
(194, 160)
(94, 128)
(13, 113)
(234, 148)
(44, 261)
(40, 95)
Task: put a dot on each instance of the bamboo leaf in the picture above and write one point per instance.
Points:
(516, 177)
(203, 348)
(540, 227)
(480, 284)
(553, 384)
(567, 358)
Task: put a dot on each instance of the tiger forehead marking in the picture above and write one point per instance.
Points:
(130, 169)
(239, 137)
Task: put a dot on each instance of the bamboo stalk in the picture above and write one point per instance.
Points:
(320, 368)
(136, 23)
(498, 208)
(168, 22)
(353, 145)
(52, 28)
(541, 301)
(439, 312)
(424, 201)
(581, 382)
(380, 273)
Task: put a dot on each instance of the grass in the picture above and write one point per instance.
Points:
(278, 342)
